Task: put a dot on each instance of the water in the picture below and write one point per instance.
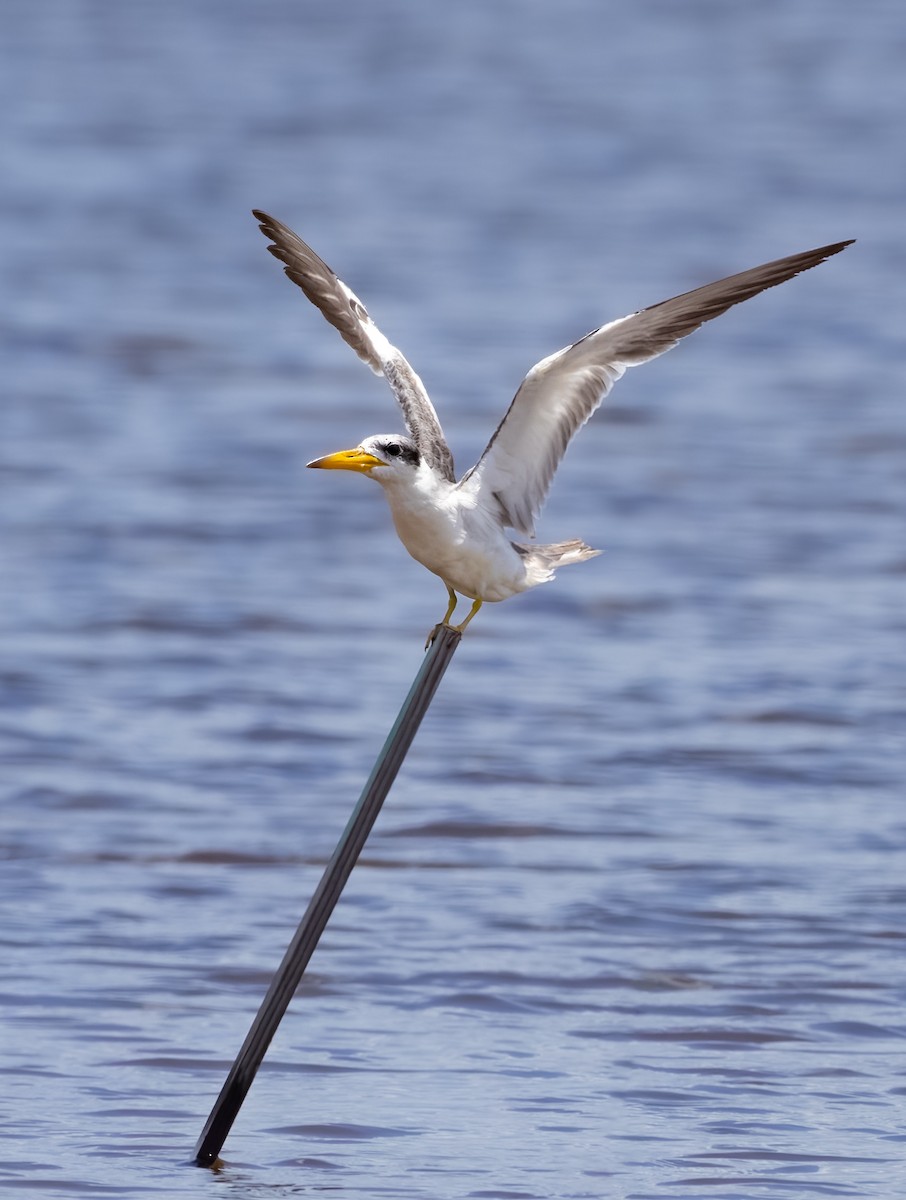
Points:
(632, 921)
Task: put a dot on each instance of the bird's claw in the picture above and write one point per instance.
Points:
(433, 634)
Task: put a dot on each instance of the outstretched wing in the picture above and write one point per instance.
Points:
(343, 309)
(561, 392)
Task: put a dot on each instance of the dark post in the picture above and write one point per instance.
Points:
(327, 893)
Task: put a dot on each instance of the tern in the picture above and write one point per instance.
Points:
(458, 528)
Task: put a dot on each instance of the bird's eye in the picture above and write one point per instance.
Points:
(394, 449)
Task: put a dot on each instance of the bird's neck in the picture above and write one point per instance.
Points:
(422, 494)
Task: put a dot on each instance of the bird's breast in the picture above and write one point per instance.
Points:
(457, 540)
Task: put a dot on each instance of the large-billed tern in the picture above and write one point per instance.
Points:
(458, 529)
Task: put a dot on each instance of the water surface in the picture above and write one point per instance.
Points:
(632, 921)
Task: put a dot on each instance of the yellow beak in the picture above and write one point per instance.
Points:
(348, 460)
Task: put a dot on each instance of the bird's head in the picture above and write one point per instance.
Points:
(389, 457)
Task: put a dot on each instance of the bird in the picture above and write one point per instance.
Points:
(458, 528)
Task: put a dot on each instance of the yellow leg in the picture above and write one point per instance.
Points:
(446, 618)
(450, 607)
(476, 605)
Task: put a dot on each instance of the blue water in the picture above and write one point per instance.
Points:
(632, 921)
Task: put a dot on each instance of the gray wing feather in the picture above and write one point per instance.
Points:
(562, 391)
(340, 306)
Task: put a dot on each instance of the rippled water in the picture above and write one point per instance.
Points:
(632, 921)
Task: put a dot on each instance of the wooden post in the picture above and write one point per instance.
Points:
(327, 893)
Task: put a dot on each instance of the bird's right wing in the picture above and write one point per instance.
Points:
(340, 306)
(561, 392)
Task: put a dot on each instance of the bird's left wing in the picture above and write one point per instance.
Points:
(561, 392)
(340, 306)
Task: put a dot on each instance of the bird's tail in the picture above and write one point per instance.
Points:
(542, 561)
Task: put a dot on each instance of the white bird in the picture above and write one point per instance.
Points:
(457, 529)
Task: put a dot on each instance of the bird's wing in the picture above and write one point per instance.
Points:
(343, 309)
(562, 391)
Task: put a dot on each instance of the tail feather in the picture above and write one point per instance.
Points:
(542, 561)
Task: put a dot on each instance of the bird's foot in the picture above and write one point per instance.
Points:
(434, 632)
(444, 622)
(461, 627)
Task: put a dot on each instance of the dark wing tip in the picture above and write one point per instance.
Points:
(268, 225)
(287, 242)
(795, 264)
(811, 258)
(783, 269)
(302, 265)
(320, 284)
(702, 304)
(827, 251)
